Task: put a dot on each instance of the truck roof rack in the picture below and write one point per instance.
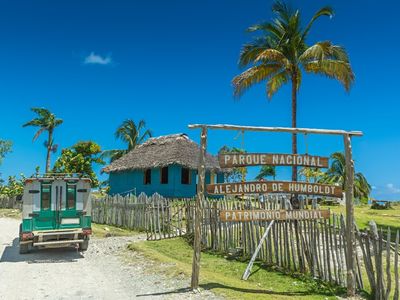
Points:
(53, 176)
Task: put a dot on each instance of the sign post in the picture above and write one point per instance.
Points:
(198, 211)
(281, 159)
(350, 237)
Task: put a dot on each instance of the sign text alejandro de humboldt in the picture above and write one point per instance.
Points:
(265, 187)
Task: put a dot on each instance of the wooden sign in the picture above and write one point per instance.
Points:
(265, 187)
(269, 215)
(230, 160)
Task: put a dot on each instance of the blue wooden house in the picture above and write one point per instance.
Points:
(166, 165)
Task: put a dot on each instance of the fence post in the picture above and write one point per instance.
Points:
(198, 211)
(350, 237)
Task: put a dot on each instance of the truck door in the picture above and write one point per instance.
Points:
(68, 216)
(44, 214)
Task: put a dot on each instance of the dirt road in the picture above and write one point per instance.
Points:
(99, 273)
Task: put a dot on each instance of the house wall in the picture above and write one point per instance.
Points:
(133, 182)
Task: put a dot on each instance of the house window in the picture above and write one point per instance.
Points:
(71, 196)
(147, 176)
(46, 196)
(164, 175)
(185, 176)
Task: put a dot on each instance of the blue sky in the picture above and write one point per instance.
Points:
(96, 63)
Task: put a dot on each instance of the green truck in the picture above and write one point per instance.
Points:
(55, 212)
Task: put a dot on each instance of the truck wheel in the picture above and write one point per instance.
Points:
(23, 248)
(84, 245)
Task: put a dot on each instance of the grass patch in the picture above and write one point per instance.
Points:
(383, 218)
(223, 276)
(10, 213)
(363, 214)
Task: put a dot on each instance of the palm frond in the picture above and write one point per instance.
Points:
(283, 11)
(34, 122)
(41, 111)
(251, 51)
(275, 82)
(38, 133)
(252, 76)
(272, 56)
(325, 11)
(338, 70)
(324, 50)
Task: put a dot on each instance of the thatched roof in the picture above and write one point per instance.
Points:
(163, 151)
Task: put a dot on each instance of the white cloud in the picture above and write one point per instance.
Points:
(95, 59)
(392, 188)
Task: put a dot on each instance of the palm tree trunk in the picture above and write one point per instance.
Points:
(294, 122)
(49, 146)
(294, 199)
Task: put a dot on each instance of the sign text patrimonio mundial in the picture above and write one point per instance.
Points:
(230, 160)
(265, 187)
(269, 215)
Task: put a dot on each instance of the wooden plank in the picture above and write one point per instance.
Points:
(276, 129)
(232, 160)
(267, 215)
(388, 271)
(246, 273)
(264, 187)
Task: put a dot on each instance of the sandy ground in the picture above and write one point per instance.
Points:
(102, 272)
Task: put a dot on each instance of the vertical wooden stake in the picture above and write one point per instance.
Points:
(350, 238)
(198, 210)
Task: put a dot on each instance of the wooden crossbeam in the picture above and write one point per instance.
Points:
(276, 129)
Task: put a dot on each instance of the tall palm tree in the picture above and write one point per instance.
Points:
(46, 121)
(129, 133)
(266, 171)
(281, 55)
(336, 174)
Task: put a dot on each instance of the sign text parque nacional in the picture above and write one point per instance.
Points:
(269, 215)
(265, 187)
(230, 160)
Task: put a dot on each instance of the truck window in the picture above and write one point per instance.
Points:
(45, 196)
(71, 196)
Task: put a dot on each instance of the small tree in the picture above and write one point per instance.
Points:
(236, 174)
(5, 147)
(46, 121)
(131, 134)
(80, 159)
(336, 174)
(14, 186)
(266, 171)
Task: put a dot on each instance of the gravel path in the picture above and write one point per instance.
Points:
(102, 272)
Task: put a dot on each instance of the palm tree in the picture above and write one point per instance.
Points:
(280, 55)
(129, 133)
(336, 174)
(266, 171)
(313, 173)
(46, 121)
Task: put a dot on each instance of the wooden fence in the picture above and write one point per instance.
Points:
(10, 202)
(315, 247)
